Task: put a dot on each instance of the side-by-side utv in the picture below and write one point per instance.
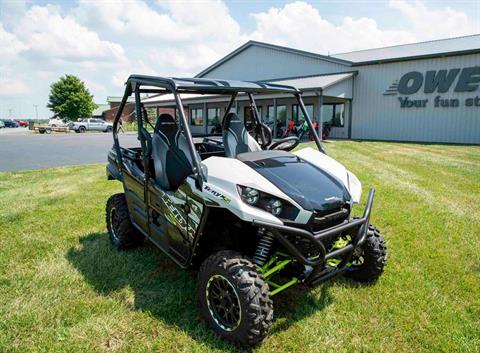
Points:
(253, 217)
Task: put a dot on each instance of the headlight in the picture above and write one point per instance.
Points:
(249, 195)
(277, 207)
(274, 206)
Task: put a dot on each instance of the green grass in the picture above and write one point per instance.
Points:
(64, 288)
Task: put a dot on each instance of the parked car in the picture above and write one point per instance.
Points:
(10, 123)
(55, 122)
(22, 123)
(2, 124)
(91, 125)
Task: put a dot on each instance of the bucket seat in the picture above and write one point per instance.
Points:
(236, 139)
(172, 160)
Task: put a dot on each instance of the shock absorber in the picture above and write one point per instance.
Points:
(262, 252)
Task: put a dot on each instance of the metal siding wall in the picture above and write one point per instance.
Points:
(342, 89)
(380, 117)
(257, 63)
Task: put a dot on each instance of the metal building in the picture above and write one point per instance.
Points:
(423, 92)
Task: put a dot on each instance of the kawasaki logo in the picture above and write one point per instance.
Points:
(467, 80)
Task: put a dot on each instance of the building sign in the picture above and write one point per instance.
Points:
(437, 81)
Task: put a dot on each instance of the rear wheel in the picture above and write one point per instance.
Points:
(234, 298)
(121, 230)
(369, 260)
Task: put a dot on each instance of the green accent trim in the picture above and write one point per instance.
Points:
(277, 268)
(284, 286)
(265, 267)
(273, 284)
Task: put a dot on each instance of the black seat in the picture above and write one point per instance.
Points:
(171, 156)
(236, 139)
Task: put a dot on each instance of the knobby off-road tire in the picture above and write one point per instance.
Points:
(249, 291)
(122, 232)
(374, 254)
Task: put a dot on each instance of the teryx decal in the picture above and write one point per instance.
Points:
(216, 194)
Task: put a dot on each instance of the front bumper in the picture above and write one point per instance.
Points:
(321, 272)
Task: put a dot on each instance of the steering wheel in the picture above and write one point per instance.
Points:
(266, 140)
(285, 144)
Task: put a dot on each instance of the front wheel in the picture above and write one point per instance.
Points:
(121, 230)
(368, 261)
(234, 298)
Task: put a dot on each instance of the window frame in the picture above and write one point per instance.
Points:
(334, 112)
(218, 114)
(193, 116)
(296, 110)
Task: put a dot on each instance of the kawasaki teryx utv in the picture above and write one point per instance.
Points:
(253, 218)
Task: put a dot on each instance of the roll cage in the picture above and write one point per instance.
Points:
(138, 84)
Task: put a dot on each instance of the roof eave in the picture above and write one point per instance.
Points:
(275, 47)
(417, 57)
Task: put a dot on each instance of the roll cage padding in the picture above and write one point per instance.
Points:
(236, 138)
(171, 157)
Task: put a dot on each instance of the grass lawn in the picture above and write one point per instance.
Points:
(64, 288)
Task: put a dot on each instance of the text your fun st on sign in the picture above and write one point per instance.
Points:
(437, 81)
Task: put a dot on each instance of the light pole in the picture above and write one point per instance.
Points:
(10, 112)
(36, 111)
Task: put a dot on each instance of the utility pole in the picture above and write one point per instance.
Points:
(36, 110)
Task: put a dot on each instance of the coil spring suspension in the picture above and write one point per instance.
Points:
(264, 246)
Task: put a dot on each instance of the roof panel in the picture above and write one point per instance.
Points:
(434, 47)
(315, 82)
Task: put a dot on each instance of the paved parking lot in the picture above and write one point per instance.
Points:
(21, 150)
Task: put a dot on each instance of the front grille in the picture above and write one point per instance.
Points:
(326, 219)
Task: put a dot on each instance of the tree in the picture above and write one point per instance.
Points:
(69, 99)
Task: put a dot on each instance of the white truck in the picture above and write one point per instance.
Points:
(91, 125)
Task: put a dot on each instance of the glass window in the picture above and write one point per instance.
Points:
(334, 114)
(213, 116)
(327, 112)
(269, 116)
(338, 118)
(297, 114)
(196, 117)
(281, 114)
(248, 115)
(260, 112)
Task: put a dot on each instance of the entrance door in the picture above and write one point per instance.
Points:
(214, 124)
(197, 121)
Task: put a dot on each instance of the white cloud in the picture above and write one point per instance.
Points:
(132, 67)
(429, 23)
(13, 87)
(48, 34)
(184, 61)
(179, 20)
(11, 46)
(300, 25)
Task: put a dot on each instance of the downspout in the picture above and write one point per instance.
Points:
(319, 94)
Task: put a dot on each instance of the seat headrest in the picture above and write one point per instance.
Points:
(166, 127)
(165, 121)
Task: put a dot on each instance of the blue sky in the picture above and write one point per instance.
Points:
(103, 42)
